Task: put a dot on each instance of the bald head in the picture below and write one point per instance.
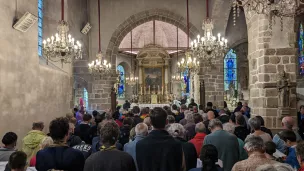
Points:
(288, 122)
(141, 129)
(210, 115)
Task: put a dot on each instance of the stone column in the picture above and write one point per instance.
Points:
(196, 89)
(140, 79)
(269, 52)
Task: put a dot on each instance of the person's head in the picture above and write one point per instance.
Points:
(166, 108)
(254, 144)
(222, 112)
(38, 126)
(275, 167)
(197, 118)
(270, 147)
(170, 119)
(94, 113)
(46, 142)
(195, 109)
(136, 110)
(200, 127)
(108, 116)
(210, 115)
(98, 118)
(73, 121)
(87, 118)
(255, 123)
(261, 120)
(289, 137)
(71, 128)
(209, 105)
(240, 120)
(69, 115)
(229, 127)
(158, 118)
(109, 133)
(201, 107)
(300, 152)
(239, 104)
(9, 140)
(147, 121)
(302, 109)
(127, 121)
(189, 118)
(132, 134)
(183, 108)
(17, 161)
(209, 156)
(127, 101)
(192, 100)
(174, 107)
(288, 122)
(225, 104)
(145, 110)
(141, 129)
(59, 130)
(177, 130)
(215, 125)
(232, 119)
(75, 110)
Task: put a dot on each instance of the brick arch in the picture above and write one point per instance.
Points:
(140, 18)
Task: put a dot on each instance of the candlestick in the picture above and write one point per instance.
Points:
(141, 92)
(158, 89)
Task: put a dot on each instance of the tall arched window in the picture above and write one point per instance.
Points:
(86, 98)
(230, 77)
(121, 85)
(40, 26)
(301, 49)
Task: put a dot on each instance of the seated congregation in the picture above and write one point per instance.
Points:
(159, 139)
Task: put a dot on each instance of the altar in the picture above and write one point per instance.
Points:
(151, 106)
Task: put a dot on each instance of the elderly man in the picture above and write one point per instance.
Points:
(210, 116)
(199, 137)
(227, 145)
(287, 124)
(254, 145)
(189, 127)
(141, 131)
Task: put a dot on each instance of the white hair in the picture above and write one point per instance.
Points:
(177, 130)
(229, 127)
(200, 127)
(254, 143)
(275, 167)
(141, 129)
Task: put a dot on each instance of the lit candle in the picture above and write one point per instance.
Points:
(141, 92)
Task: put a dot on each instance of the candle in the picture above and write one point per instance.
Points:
(158, 89)
(149, 90)
(141, 92)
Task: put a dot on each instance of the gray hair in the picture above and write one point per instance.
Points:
(189, 118)
(237, 113)
(254, 143)
(170, 119)
(200, 127)
(275, 167)
(215, 123)
(229, 127)
(205, 116)
(254, 123)
(177, 130)
(141, 129)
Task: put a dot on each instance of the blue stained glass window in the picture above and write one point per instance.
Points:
(230, 70)
(40, 26)
(121, 85)
(85, 98)
(301, 50)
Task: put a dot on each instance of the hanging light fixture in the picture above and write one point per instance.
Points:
(131, 80)
(100, 66)
(271, 8)
(62, 47)
(190, 64)
(209, 47)
(176, 78)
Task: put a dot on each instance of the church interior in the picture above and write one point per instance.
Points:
(56, 53)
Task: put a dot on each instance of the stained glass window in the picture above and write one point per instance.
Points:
(301, 50)
(230, 71)
(40, 24)
(121, 85)
(85, 98)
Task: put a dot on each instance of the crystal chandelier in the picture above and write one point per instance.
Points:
(209, 47)
(62, 47)
(271, 8)
(100, 66)
(176, 78)
(131, 80)
(189, 64)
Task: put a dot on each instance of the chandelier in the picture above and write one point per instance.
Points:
(62, 47)
(271, 8)
(131, 80)
(209, 47)
(100, 66)
(176, 78)
(189, 64)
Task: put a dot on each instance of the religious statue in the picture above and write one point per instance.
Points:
(283, 85)
(231, 90)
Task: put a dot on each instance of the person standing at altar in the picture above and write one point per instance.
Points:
(127, 105)
(192, 103)
(181, 115)
(184, 100)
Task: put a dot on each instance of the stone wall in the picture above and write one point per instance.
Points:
(270, 51)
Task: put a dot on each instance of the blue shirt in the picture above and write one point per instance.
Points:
(130, 147)
(291, 159)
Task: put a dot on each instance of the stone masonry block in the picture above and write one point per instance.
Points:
(292, 59)
(270, 52)
(268, 112)
(270, 102)
(264, 78)
(263, 60)
(268, 122)
(280, 68)
(267, 69)
(274, 59)
(286, 51)
(285, 59)
(254, 79)
(290, 68)
(257, 102)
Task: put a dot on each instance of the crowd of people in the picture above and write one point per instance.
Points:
(185, 138)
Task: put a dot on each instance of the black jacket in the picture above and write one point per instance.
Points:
(159, 152)
(124, 135)
(189, 153)
(83, 131)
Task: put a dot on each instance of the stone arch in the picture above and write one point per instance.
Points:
(140, 18)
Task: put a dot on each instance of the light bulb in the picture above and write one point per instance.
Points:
(57, 35)
(226, 41)
(213, 38)
(203, 39)
(69, 36)
(52, 38)
(198, 36)
(194, 41)
(44, 42)
(48, 40)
